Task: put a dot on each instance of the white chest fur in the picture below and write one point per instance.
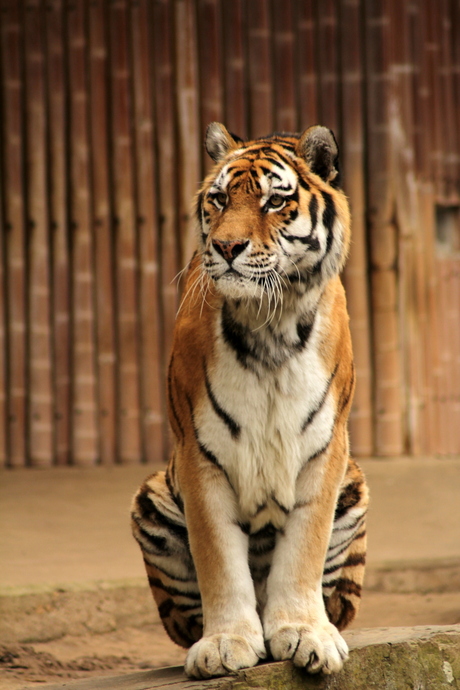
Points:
(273, 442)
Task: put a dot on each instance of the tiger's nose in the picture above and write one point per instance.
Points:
(230, 249)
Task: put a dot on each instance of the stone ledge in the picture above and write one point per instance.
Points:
(423, 658)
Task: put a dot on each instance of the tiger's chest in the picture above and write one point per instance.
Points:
(263, 426)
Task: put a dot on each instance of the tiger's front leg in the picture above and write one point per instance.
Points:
(232, 635)
(295, 621)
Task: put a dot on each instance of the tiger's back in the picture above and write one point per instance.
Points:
(260, 485)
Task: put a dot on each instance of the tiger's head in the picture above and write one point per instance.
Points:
(272, 219)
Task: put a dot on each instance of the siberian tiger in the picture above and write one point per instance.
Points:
(254, 536)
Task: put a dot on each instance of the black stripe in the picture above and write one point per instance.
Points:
(303, 332)
(199, 206)
(276, 162)
(177, 499)
(160, 544)
(171, 400)
(312, 242)
(349, 497)
(313, 210)
(269, 171)
(203, 449)
(323, 449)
(150, 513)
(234, 337)
(352, 560)
(345, 586)
(165, 608)
(356, 523)
(260, 574)
(173, 591)
(329, 215)
(245, 527)
(168, 574)
(280, 505)
(345, 545)
(304, 184)
(233, 427)
(346, 393)
(314, 412)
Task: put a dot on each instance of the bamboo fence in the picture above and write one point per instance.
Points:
(103, 109)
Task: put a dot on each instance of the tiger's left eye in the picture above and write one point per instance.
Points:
(221, 198)
(276, 201)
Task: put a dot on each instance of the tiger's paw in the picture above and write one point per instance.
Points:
(218, 655)
(319, 648)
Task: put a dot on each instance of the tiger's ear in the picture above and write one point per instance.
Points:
(318, 147)
(219, 141)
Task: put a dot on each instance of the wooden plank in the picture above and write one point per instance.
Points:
(3, 336)
(432, 50)
(57, 155)
(152, 384)
(166, 144)
(388, 382)
(12, 173)
(102, 228)
(450, 115)
(259, 62)
(307, 63)
(327, 65)
(129, 441)
(235, 106)
(40, 407)
(356, 270)
(85, 442)
(189, 161)
(286, 116)
(209, 46)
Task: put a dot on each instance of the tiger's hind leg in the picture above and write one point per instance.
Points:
(344, 567)
(158, 525)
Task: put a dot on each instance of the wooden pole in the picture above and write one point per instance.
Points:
(58, 184)
(261, 111)
(166, 147)
(284, 67)
(187, 104)
(102, 232)
(209, 46)
(40, 412)
(307, 63)
(85, 442)
(152, 384)
(388, 401)
(328, 47)
(235, 102)
(3, 336)
(13, 147)
(356, 270)
(126, 249)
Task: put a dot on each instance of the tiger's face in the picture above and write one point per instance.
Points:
(272, 219)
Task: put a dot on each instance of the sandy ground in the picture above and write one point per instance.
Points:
(133, 649)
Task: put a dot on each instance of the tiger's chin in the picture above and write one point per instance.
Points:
(234, 286)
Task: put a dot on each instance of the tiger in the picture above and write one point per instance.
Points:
(254, 536)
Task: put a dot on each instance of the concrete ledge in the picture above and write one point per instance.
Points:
(426, 658)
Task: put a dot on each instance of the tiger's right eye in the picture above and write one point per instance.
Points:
(221, 198)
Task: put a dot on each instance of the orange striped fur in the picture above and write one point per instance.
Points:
(254, 537)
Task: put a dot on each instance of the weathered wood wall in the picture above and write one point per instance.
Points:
(103, 107)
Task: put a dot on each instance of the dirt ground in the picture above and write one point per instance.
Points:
(132, 649)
